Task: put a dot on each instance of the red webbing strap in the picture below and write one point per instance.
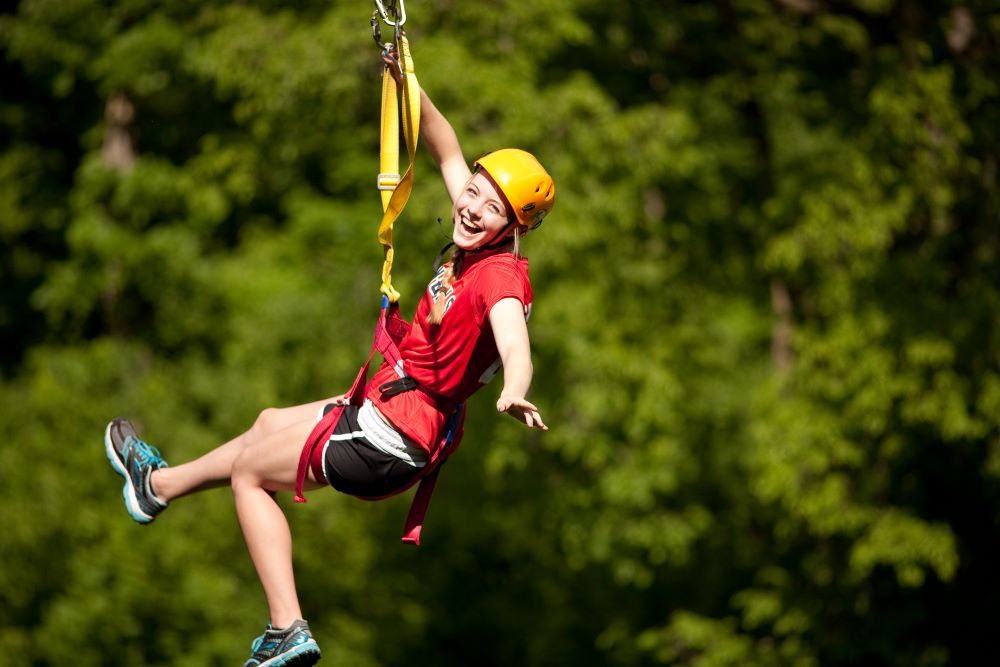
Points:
(324, 428)
(384, 342)
(328, 421)
(422, 498)
(418, 507)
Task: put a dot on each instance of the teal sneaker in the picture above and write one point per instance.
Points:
(134, 460)
(293, 646)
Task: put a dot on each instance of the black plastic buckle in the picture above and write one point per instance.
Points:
(400, 386)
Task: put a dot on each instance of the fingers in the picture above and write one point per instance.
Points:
(395, 68)
(504, 403)
(534, 420)
(523, 411)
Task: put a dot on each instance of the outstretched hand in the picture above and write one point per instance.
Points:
(521, 410)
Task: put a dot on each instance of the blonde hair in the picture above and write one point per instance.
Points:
(452, 270)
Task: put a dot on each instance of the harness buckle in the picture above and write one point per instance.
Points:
(388, 181)
(394, 387)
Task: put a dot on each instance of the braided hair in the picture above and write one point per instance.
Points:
(452, 271)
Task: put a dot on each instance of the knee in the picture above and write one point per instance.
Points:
(242, 474)
(267, 422)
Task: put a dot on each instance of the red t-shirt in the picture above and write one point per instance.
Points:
(457, 357)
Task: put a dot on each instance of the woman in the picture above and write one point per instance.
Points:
(471, 319)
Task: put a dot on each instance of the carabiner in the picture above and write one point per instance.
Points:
(398, 13)
(376, 30)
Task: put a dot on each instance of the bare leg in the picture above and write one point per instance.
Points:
(213, 469)
(262, 467)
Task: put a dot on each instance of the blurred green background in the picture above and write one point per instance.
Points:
(764, 328)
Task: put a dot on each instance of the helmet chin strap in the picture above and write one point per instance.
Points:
(498, 240)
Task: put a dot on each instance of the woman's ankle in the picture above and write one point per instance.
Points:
(286, 622)
(158, 485)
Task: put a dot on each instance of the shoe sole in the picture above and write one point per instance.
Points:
(128, 491)
(300, 656)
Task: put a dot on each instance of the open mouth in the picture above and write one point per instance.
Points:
(469, 228)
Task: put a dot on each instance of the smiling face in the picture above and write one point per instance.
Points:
(480, 216)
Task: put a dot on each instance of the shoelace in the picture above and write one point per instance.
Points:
(144, 452)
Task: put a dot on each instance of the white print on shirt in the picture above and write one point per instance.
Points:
(435, 286)
(494, 368)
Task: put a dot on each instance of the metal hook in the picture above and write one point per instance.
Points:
(376, 29)
(398, 13)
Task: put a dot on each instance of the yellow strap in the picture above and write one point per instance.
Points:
(388, 177)
(395, 189)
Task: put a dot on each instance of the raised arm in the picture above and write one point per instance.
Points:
(439, 138)
(442, 143)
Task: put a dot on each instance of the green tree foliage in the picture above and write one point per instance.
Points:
(764, 328)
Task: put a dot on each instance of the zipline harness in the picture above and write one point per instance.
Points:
(391, 328)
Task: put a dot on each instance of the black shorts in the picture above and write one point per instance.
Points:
(352, 465)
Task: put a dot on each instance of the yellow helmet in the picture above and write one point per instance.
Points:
(522, 182)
